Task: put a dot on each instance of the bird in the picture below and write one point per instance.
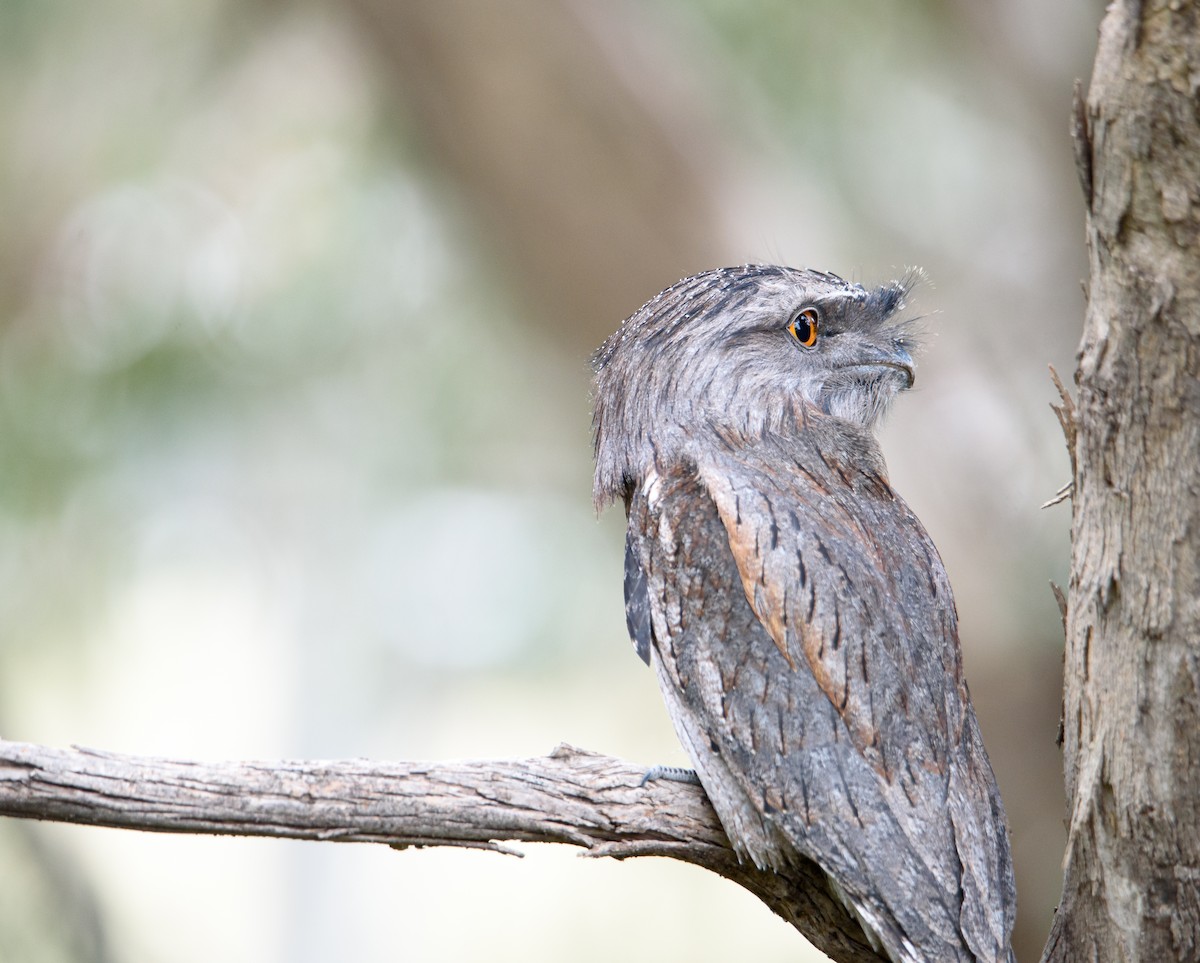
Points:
(797, 615)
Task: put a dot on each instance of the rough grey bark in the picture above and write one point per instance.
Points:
(570, 796)
(1131, 709)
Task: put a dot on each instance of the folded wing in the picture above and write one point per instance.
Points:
(809, 655)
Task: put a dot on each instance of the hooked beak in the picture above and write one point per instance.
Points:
(893, 356)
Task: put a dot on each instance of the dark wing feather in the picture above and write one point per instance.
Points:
(637, 602)
(809, 657)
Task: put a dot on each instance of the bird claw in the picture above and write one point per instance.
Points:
(671, 773)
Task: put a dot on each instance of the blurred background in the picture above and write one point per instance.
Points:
(296, 304)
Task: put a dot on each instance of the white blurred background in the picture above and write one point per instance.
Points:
(296, 302)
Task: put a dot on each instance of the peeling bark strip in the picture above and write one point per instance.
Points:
(1132, 693)
(571, 796)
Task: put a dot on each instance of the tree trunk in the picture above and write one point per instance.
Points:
(1131, 708)
(589, 183)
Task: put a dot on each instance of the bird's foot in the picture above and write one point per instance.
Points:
(671, 773)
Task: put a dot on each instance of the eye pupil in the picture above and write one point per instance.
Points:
(804, 328)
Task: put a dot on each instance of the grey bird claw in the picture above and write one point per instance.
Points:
(670, 773)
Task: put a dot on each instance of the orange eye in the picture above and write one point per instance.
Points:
(804, 326)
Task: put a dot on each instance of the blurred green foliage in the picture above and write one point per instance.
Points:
(286, 470)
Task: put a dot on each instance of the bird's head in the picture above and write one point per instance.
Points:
(743, 351)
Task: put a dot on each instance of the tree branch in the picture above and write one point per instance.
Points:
(571, 796)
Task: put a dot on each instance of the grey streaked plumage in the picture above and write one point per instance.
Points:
(795, 611)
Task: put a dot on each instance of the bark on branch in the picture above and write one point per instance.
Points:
(571, 796)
